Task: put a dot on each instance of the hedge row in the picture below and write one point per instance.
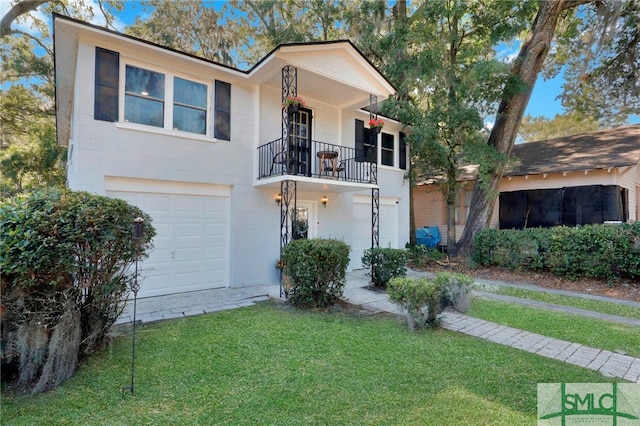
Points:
(610, 251)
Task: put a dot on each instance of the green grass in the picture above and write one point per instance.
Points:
(559, 299)
(574, 328)
(270, 364)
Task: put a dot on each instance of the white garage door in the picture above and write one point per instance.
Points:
(361, 225)
(191, 246)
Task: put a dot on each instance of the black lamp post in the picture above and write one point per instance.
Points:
(138, 228)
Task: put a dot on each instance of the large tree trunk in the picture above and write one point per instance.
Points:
(525, 69)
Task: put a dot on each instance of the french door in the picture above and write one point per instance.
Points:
(300, 142)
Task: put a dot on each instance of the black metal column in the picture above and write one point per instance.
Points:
(375, 192)
(375, 217)
(289, 88)
(288, 188)
(288, 204)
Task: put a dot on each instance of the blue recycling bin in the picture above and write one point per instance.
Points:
(428, 236)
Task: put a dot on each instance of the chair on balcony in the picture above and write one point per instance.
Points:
(340, 168)
(278, 156)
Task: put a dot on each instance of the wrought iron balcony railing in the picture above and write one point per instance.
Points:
(296, 156)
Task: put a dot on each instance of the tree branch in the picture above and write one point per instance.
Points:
(16, 11)
(35, 39)
(575, 3)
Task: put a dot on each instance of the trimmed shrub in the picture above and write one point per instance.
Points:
(315, 271)
(609, 251)
(456, 289)
(419, 256)
(65, 262)
(419, 297)
(385, 264)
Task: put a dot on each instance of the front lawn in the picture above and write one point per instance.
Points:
(271, 364)
(594, 332)
(559, 299)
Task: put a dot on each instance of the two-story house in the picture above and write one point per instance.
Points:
(228, 172)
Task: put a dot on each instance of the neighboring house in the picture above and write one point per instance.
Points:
(226, 173)
(580, 179)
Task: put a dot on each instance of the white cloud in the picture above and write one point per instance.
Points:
(507, 52)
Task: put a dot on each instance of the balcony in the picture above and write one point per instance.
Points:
(301, 157)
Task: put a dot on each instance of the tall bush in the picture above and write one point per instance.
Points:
(385, 264)
(316, 271)
(65, 271)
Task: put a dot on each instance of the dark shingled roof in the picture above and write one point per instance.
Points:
(603, 149)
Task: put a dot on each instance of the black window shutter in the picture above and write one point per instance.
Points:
(360, 150)
(222, 115)
(105, 103)
(402, 151)
(371, 145)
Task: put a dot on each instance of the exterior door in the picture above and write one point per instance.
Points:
(300, 142)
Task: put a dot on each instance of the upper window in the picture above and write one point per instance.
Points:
(158, 99)
(387, 150)
(189, 106)
(144, 96)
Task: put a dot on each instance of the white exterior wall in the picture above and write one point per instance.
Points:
(104, 149)
(108, 157)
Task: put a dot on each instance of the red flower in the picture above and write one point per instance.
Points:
(293, 100)
(376, 122)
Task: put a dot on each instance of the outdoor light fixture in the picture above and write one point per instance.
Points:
(324, 200)
(278, 198)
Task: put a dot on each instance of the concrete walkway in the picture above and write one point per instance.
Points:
(609, 363)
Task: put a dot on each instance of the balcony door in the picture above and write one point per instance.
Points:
(300, 142)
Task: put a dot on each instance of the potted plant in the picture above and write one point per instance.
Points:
(376, 124)
(293, 103)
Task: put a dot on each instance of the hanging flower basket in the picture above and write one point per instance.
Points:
(293, 103)
(376, 124)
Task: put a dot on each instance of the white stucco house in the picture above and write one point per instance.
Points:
(222, 168)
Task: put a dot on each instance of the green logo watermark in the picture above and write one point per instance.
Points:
(616, 404)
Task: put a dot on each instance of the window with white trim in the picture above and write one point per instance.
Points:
(152, 97)
(189, 106)
(387, 150)
(144, 94)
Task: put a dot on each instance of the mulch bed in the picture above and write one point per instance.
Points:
(620, 290)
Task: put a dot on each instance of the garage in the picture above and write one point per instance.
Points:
(361, 225)
(191, 247)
